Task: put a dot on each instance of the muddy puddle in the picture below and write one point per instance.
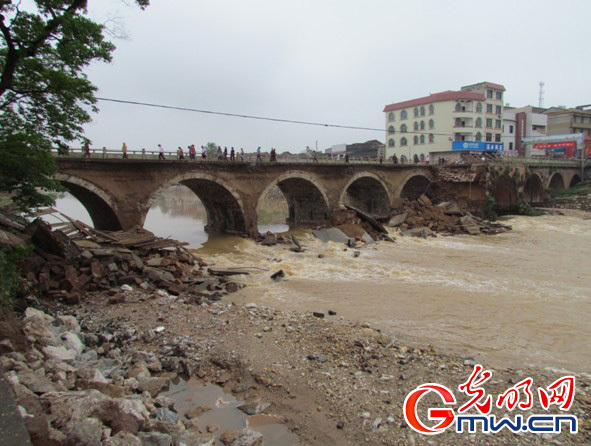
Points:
(224, 413)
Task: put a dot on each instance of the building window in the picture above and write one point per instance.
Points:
(478, 122)
(498, 108)
(489, 94)
(416, 126)
(510, 146)
(391, 142)
(498, 123)
(489, 108)
(500, 95)
(458, 122)
(391, 129)
(479, 136)
(489, 136)
(422, 110)
(479, 107)
(497, 137)
(403, 142)
(422, 139)
(511, 129)
(416, 112)
(391, 117)
(422, 125)
(403, 128)
(403, 114)
(431, 138)
(489, 123)
(431, 109)
(416, 140)
(458, 107)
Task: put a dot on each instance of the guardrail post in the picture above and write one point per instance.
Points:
(104, 152)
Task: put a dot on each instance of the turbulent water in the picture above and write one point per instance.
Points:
(520, 298)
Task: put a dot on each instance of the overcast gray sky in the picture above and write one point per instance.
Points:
(334, 61)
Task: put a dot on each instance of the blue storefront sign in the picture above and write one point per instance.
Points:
(477, 146)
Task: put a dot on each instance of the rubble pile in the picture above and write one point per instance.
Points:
(421, 218)
(75, 387)
(68, 263)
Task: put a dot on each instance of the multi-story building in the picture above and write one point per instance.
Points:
(432, 123)
(519, 123)
(569, 120)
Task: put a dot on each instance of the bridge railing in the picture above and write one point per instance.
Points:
(301, 158)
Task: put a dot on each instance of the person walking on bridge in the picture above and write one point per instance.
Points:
(124, 150)
(180, 153)
(192, 152)
(232, 154)
(259, 160)
(87, 150)
(394, 159)
(241, 154)
(160, 152)
(273, 158)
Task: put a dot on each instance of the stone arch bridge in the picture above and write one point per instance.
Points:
(118, 193)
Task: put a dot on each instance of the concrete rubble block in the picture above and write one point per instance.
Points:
(72, 342)
(122, 414)
(87, 432)
(69, 323)
(60, 353)
(155, 439)
(123, 439)
(248, 437)
(154, 386)
(397, 220)
(37, 382)
(254, 407)
(470, 225)
(67, 406)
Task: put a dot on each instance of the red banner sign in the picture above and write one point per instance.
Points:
(557, 145)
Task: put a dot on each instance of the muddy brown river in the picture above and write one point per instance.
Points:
(514, 299)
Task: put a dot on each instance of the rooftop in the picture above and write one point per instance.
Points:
(437, 97)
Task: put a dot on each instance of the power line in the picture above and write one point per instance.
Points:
(264, 118)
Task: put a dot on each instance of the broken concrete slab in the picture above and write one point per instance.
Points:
(331, 235)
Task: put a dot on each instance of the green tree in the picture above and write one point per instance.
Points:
(45, 97)
(212, 149)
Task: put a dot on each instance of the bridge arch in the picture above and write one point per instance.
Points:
(367, 192)
(533, 190)
(415, 186)
(306, 196)
(576, 179)
(99, 205)
(223, 205)
(556, 182)
(504, 192)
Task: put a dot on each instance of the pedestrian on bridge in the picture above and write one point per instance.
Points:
(346, 158)
(220, 154)
(225, 153)
(180, 153)
(259, 159)
(381, 159)
(394, 159)
(232, 154)
(192, 152)
(124, 150)
(241, 154)
(203, 153)
(273, 158)
(161, 152)
(87, 150)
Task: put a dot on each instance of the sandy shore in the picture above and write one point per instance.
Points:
(332, 381)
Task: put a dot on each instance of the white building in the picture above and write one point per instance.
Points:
(522, 122)
(432, 123)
